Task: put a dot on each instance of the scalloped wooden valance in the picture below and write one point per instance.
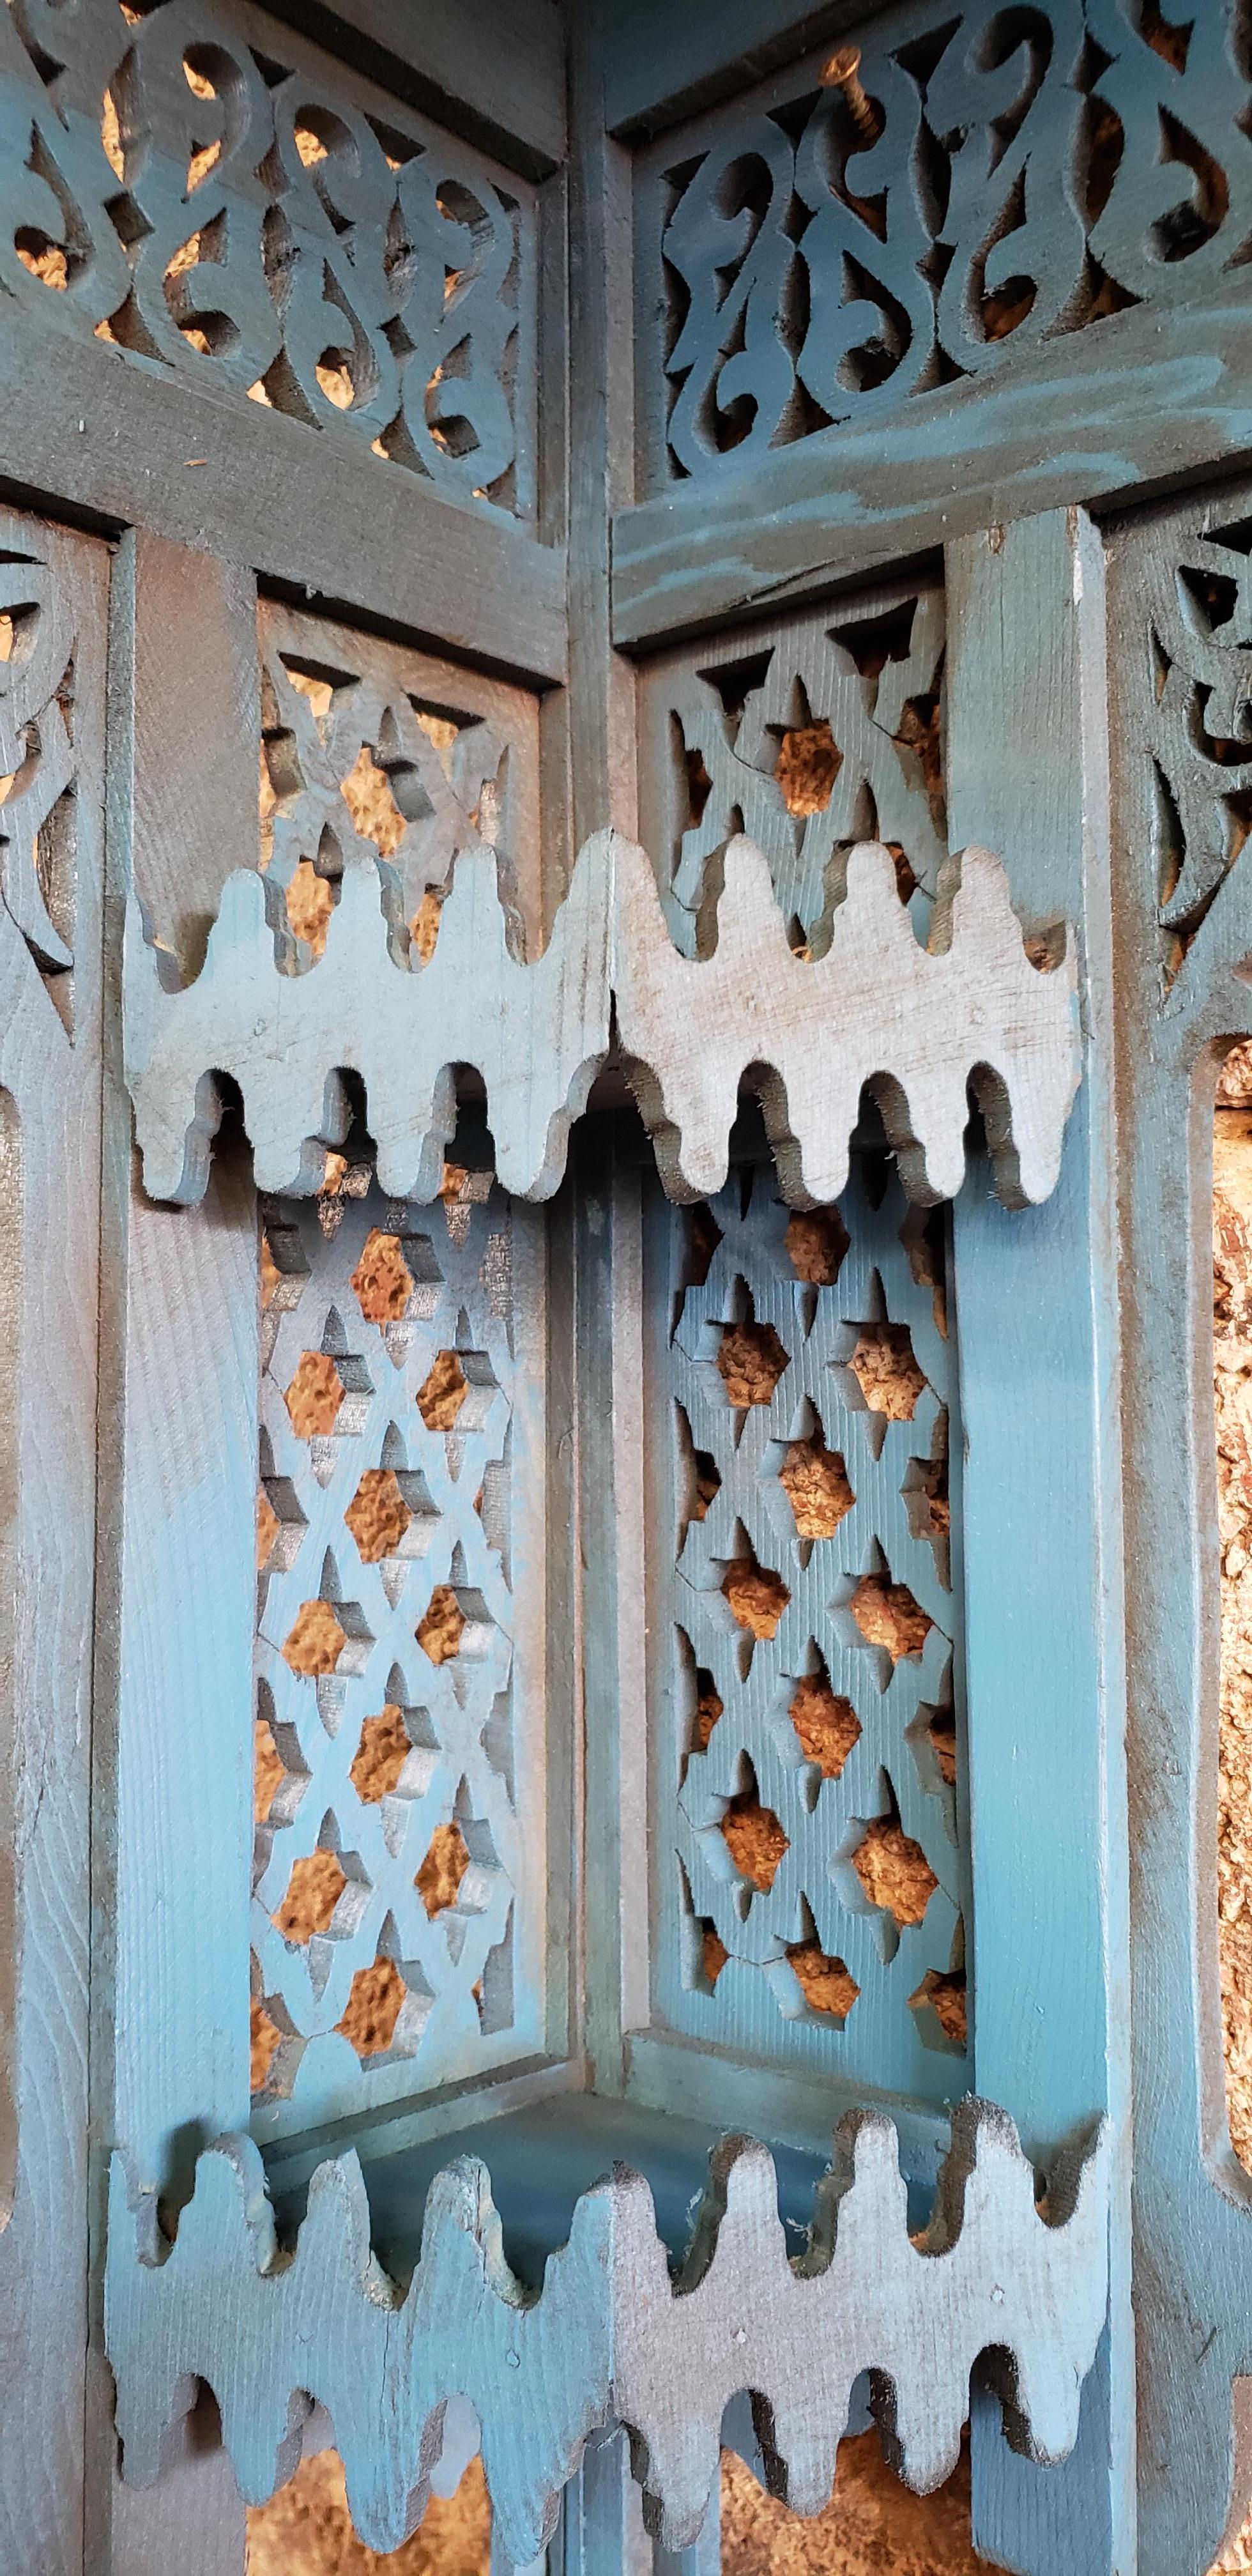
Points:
(921, 1027)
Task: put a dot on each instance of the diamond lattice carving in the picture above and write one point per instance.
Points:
(815, 1821)
(389, 1880)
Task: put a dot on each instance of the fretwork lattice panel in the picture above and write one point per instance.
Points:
(808, 733)
(380, 754)
(807, 1785)
(400, 1772)
(195, 184)
(1013, 176)
(1182, 682)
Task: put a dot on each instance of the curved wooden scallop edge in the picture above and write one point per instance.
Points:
(919, 1027)
(990, 2275)
(611, 2336)
(266, 2329)
(916, 1026)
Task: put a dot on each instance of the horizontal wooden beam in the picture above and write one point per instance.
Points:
(126, 444)
(1137, 400)
(662, 63)
(610, 2335)
(493, 72)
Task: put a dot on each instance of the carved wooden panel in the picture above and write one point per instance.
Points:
(1181, 727)
(54, 614)
(611, 2334)
(199, 187)
(808, 1801)
(809, 733)
(382, 753)
(1014, 177)
(401, 1883)
(979, 1008)
(1185, 684)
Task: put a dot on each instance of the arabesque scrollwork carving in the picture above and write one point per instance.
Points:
(1016, 176)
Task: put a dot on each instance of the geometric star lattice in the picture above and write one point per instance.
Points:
(396, 1747)
(814, 1407)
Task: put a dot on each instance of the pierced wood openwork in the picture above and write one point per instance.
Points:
(184, 184)
(610, 2330)
(916, 1024)
(625, 795)
(1012, 179)
(809, 733)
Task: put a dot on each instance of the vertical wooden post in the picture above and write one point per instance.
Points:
(608, 1239)
(1037, 1293)
(176, 1578)
(601, 690)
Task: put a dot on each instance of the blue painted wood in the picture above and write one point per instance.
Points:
(184, 1758)
(610, 2335)
(754, 2007)
(1073, 424)
(1038, 1323)
(839, 359)
(1181, 999)
(50, 1096)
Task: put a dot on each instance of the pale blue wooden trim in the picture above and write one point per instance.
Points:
(1192, 2198)
(610, 2332)
(1038, 1310)
(50, 1100)
(792, 2110)
(601, 2531)
(184, 1732)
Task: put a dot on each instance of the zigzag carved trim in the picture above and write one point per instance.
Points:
(610, 2336)
(920, 1026)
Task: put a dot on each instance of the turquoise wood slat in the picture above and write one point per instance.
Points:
(1179, 652)
(1038, 1327)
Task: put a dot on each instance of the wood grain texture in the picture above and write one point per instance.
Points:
(510, 95)
(1182, 996)
(177, 1443)
(1038, 1324)
(918, 1025)
(330, 2323)
(184, 1653)
(865, 2297)
(50, 1087)
(197, 717)
(609, 2335)
(1082, 420)
(603, 746)
(226, 475)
